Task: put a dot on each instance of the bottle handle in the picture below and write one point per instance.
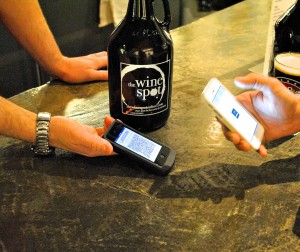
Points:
(167, 19)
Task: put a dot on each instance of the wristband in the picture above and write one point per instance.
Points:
(41, 146)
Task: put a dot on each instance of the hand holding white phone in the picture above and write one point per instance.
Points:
(230, 112)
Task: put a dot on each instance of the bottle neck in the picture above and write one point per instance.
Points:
(141, 9)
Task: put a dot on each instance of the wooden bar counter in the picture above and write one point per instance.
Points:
(215, 199)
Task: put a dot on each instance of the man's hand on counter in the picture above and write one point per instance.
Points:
(82, 139)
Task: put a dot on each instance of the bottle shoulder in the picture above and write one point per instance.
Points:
(292, 14)
(136, 31)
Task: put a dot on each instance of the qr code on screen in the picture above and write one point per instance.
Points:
(142, 146)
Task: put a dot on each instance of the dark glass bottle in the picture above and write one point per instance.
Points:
(287, 31)
(140, 66)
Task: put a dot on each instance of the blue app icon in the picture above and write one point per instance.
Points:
(235, 113)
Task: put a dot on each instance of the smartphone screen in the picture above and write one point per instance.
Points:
(127, 141)
(138, 144)
(237, 116)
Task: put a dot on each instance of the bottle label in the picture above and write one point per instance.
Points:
(145, 88)
(293, 83)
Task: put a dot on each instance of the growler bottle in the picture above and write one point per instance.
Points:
(285, 63)
(140, 66)
(287, 31)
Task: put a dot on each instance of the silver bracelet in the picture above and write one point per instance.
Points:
(41, 146)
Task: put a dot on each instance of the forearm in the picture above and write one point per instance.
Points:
(17, 122)
(25, 20)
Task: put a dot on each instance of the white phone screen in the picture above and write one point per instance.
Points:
(138, 144)
(238, 117)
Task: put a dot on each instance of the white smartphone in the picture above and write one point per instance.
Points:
(230, 112)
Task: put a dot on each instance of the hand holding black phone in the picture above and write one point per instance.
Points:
(127, 141)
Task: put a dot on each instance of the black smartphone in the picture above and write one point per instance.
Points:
(129, 142)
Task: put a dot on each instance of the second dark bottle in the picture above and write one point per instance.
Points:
(287, 31)
(140, 66)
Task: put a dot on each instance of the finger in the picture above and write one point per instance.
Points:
(243, 145)
(258, 82)
(97, 60)
(95, 147)
(108, 120)
(100, 58)
(97, 75)
(100, 131)
(100, 147)
(231, 136)
(102, 54)
(98, 55)
(262, 151)
(102, 62)
(105, 147)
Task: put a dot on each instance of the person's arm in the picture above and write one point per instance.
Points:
(64, 133)
(16, 122)
(25, 20)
